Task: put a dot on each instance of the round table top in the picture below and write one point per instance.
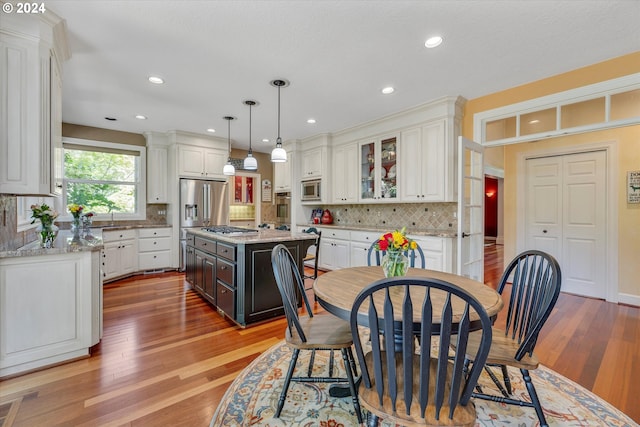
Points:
(337, 290)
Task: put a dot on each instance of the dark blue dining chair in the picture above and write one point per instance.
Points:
(310, 332)
(424, 385)
(535, 279)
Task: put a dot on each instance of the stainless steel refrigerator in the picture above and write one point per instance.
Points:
(202, 204)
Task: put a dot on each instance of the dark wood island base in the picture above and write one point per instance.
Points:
(234, 274)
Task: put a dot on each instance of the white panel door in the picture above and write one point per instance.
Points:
(470, 209)
(584, 235)
(544, 202)
(566, 217)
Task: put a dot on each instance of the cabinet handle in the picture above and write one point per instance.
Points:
(223, 291)
(154, 257)
(223, 267)
(544, 231)
(155, 243)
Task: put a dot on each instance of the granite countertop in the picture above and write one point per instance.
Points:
(129, 227)
(262, 236)
(449, 232)
(64, 243)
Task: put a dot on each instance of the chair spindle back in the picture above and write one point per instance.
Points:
(536, 281)
(390, 315)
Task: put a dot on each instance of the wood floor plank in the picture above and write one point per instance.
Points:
(167, 357)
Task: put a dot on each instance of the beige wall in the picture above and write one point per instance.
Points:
(99, 134)
(627, 139)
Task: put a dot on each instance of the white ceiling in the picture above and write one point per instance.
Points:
(337, 55)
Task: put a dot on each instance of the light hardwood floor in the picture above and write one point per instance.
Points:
(167, 358)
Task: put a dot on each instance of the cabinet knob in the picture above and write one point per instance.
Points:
(155, 243)
(223, 267)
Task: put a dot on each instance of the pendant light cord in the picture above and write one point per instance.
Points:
(250, 105)
(278, 112)
(229, 137)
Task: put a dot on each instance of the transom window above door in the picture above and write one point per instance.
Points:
(604, 105)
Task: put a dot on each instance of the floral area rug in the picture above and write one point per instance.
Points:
(252, 398)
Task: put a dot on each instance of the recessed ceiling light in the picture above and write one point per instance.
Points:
(211, 130)
(311, 121)
(141, 117)
(432, 42)
(533, 122)
(156, 80)
(387, 90)
(265, 140)
(111, 119)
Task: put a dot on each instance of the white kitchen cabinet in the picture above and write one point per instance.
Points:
(282, 175)
(361, 241)
(378, 170)
(334, 248)
(334, 254)
(200, 162)
(359, 254)
(312, 164)
(438, 252)
(424, 152)
(157, 167)
(154, 248)
(120, 254)
(49, 309)
(345, 174)
(31, 117)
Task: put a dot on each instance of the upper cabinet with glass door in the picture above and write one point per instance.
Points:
(242, 191)
(378, 170)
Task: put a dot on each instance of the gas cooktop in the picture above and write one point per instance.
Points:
(230, 231)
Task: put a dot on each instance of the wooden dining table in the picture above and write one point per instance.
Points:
(337, 290)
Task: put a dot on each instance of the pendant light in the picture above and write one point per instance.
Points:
(250, 163)
(228, 168)
(279, 155)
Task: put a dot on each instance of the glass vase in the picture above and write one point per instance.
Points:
(394, 264)
(47, 234)
(76, 227)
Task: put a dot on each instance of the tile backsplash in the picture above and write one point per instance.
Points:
(417, 216)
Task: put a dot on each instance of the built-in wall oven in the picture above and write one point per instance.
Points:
(283, 208)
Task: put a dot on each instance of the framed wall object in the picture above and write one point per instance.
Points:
(633, 187)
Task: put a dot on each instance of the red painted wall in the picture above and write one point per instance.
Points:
(490, 207)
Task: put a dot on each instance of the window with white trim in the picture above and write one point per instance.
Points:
(106, 178)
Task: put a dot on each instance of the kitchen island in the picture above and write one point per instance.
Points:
(234, 273)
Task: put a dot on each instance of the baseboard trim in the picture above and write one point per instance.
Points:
(629, 299)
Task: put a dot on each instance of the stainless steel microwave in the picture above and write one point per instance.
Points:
(311, 190)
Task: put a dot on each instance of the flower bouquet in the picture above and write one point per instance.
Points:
(47, 230)
(394, 245)
(76, 211)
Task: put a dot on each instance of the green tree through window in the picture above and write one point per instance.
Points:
(100, 179)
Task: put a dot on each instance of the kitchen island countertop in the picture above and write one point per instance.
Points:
(449, 232)
(262, 236)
